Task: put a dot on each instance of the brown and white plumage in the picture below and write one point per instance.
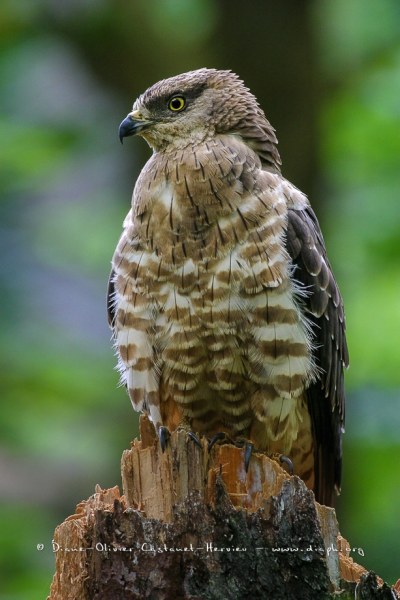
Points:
(225, 312)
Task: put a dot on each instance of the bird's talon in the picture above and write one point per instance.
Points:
(286, 460)
(248, 451)
(216, 438)
(163, 435)
(192, 436)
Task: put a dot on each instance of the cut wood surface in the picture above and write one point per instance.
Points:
(194, 525)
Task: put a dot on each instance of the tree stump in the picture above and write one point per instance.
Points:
(195, 526)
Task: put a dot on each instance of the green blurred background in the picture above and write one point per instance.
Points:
(327, 73)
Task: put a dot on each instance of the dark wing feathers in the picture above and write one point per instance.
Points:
(325, 396)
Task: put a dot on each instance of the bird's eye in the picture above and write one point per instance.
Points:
(177, 103)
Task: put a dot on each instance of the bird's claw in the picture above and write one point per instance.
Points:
(248, 451)
(286, 461)
(248, 446)
(218, 437)
(163, 435)
(192, 436)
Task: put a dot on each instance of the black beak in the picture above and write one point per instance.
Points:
(131, 126)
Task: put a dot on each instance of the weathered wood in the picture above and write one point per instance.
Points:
(196, 526)
(154, 482)
(72, 543)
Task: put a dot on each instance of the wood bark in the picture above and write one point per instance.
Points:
(194, 525)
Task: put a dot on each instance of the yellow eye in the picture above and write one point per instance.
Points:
(177, 103)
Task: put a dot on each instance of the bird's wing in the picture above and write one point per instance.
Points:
(324, 306)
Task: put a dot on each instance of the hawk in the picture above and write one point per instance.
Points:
(226, 316)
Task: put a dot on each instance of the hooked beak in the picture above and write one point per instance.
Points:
(133, 124)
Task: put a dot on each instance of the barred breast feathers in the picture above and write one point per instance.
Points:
(201, 268)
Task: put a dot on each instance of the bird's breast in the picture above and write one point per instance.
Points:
(203, 279)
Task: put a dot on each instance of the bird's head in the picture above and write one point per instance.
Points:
(195, 106)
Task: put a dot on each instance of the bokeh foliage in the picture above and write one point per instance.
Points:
(328, 75)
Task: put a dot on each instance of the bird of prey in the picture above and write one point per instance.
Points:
(225, 313)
